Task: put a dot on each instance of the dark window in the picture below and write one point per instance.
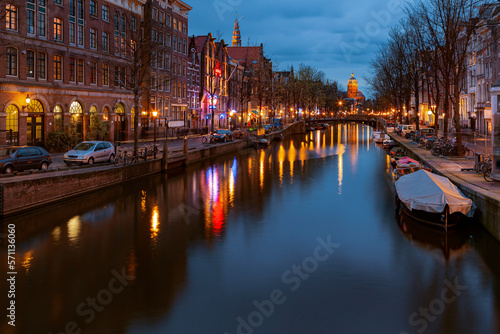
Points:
(93, 8)
(105, 13)
(42, 65)
(72, 69)
(11, 61)
(30, 64)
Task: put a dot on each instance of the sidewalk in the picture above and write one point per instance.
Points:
(452, 166)
(174, 146)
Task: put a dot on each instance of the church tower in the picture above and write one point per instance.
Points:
(236, 32)
(352, 87)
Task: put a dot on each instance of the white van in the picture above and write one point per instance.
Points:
(406, 128)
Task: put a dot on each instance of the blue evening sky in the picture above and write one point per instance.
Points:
(337, 37)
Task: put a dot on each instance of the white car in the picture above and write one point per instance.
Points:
(406, 128)
(89, 152)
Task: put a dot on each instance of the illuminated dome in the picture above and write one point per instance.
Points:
(352, 87)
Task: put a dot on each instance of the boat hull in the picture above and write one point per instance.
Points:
(441, 220)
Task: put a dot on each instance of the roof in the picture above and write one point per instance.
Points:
(199, 41)
(245, 53)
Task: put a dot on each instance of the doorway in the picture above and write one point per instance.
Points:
(34, 129)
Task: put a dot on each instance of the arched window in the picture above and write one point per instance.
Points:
(105, 112)
(35, 107)
(58, 118)
(120, 109)
(11, 17)
(76, 108)
(12, 124)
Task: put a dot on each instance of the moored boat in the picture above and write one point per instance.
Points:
(432, 199)
(380, 137)
(388, 143)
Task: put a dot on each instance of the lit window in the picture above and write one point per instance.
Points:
(57, 29)
(11, 17)
(57, 67)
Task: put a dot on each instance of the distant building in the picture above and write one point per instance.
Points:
(354, 98)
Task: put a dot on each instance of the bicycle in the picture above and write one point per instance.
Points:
(125, 157)
(207, 139)
(487, 171)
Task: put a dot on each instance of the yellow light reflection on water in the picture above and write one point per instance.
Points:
(143, 201)
(281, 160)
(155, 221)
(340, 167)
(28, 257)
(74, 226)
(261, 169)
(291, 158)
(56, 233)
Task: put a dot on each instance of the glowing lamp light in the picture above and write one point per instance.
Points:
(429, 112)
(155, 113)
(28, 100)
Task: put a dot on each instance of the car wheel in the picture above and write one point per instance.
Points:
(44, 166)
(112, 158)
(8, 169)
(225, 139)
(91, 161)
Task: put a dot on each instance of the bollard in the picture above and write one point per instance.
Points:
(185, 148)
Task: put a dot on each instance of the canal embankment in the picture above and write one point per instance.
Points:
(31, 191)
(486, 195)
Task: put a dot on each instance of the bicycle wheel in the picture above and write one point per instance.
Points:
(487, 175)
(204, 140)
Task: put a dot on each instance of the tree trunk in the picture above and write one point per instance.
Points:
(456, 117)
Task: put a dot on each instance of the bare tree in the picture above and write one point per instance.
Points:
(449, 25)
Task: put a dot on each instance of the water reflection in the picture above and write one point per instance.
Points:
(203, 244)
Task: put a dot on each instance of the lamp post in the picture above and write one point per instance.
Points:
(155, 113)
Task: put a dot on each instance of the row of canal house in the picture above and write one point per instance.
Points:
(482, 72)
(65, 62)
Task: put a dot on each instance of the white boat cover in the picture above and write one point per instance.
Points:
(430, 192)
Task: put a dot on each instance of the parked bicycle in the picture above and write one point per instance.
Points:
(207, 139)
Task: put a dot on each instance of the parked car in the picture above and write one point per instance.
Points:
(427, 132)
(89, 152)
(223, 135)
(406, 129)
(19, 158)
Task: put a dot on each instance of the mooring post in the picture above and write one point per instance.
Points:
(185, 148)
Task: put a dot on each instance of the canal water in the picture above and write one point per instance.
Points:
(301, 237)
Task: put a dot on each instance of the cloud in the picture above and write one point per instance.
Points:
(335, 37)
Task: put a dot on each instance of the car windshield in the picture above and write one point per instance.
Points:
(7, 151)
(84, 146)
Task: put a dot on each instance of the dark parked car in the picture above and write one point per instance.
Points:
(223, 135)
(19, 158)
(427, 132)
